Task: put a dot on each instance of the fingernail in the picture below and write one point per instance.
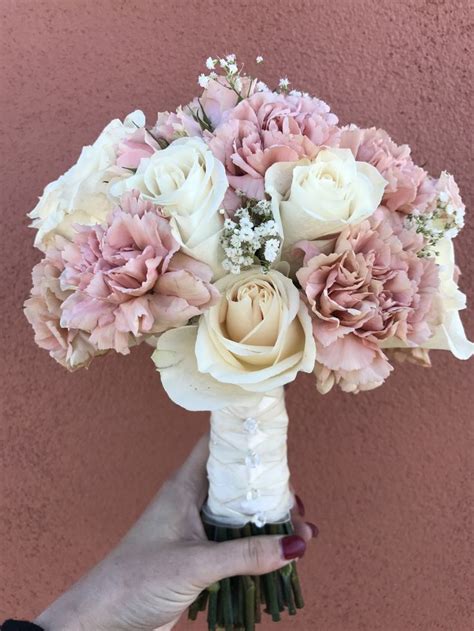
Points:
(314, 529)
(293, 547)
(299, 505)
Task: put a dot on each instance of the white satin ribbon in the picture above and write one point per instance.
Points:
(247, 467)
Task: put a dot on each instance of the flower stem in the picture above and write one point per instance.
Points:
(295, 581)
(212, 606)
(234, 604)
(249, 591)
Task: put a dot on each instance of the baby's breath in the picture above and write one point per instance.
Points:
(203, 80)
(443, 221)
(251, 237)
(284, 84)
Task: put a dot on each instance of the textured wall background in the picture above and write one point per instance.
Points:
(386, 475)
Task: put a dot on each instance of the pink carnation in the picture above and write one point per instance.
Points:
(408, 185)
(373, 286)
(70, 347)
(130, 280)
(268, 128)
(353, 363)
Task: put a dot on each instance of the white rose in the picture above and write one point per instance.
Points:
(81, 194)
(189, 183)
(253, 341)
(449, 335)
(317, 198)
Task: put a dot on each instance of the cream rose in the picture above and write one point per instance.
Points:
(189, 183)
(317, 198)
(254, 340)
(449, 334)
(81, 194)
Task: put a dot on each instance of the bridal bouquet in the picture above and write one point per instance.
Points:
(248, 236)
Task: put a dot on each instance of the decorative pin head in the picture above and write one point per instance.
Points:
(251, 425)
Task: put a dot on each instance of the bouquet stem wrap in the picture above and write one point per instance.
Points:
(247, 468)
(249, 495)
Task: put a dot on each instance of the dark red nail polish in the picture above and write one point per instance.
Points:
(293, 547)
(314, 529)
(299, 505)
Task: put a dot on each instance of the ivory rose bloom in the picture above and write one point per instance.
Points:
(318, 198)
(408, 186)
(80, 196)
(255, 339)
(188, 183)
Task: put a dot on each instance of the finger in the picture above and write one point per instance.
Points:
(303, 529)
(187, 488)
(192, 475)
(298, 505)
(249, 556)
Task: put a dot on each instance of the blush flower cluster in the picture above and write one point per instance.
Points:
(143, 237)
(371, 287)
(115, 285)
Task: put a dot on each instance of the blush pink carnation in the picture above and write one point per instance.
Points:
(408, 185)
(129, 279)
(268, 128)
(371, 287)
(70, 347)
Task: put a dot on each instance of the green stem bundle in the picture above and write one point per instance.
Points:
(235, 603)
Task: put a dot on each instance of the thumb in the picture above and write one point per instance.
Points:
(250, 555)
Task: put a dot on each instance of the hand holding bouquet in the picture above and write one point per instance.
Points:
(248, 236)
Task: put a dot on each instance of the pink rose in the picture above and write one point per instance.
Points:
(219, 98)
(140, 144)
(172, 125)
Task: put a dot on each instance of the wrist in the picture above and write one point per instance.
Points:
(64, 615)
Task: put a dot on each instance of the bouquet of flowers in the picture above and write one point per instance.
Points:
(248, 236)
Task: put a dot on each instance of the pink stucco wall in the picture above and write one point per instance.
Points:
(385, 475)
